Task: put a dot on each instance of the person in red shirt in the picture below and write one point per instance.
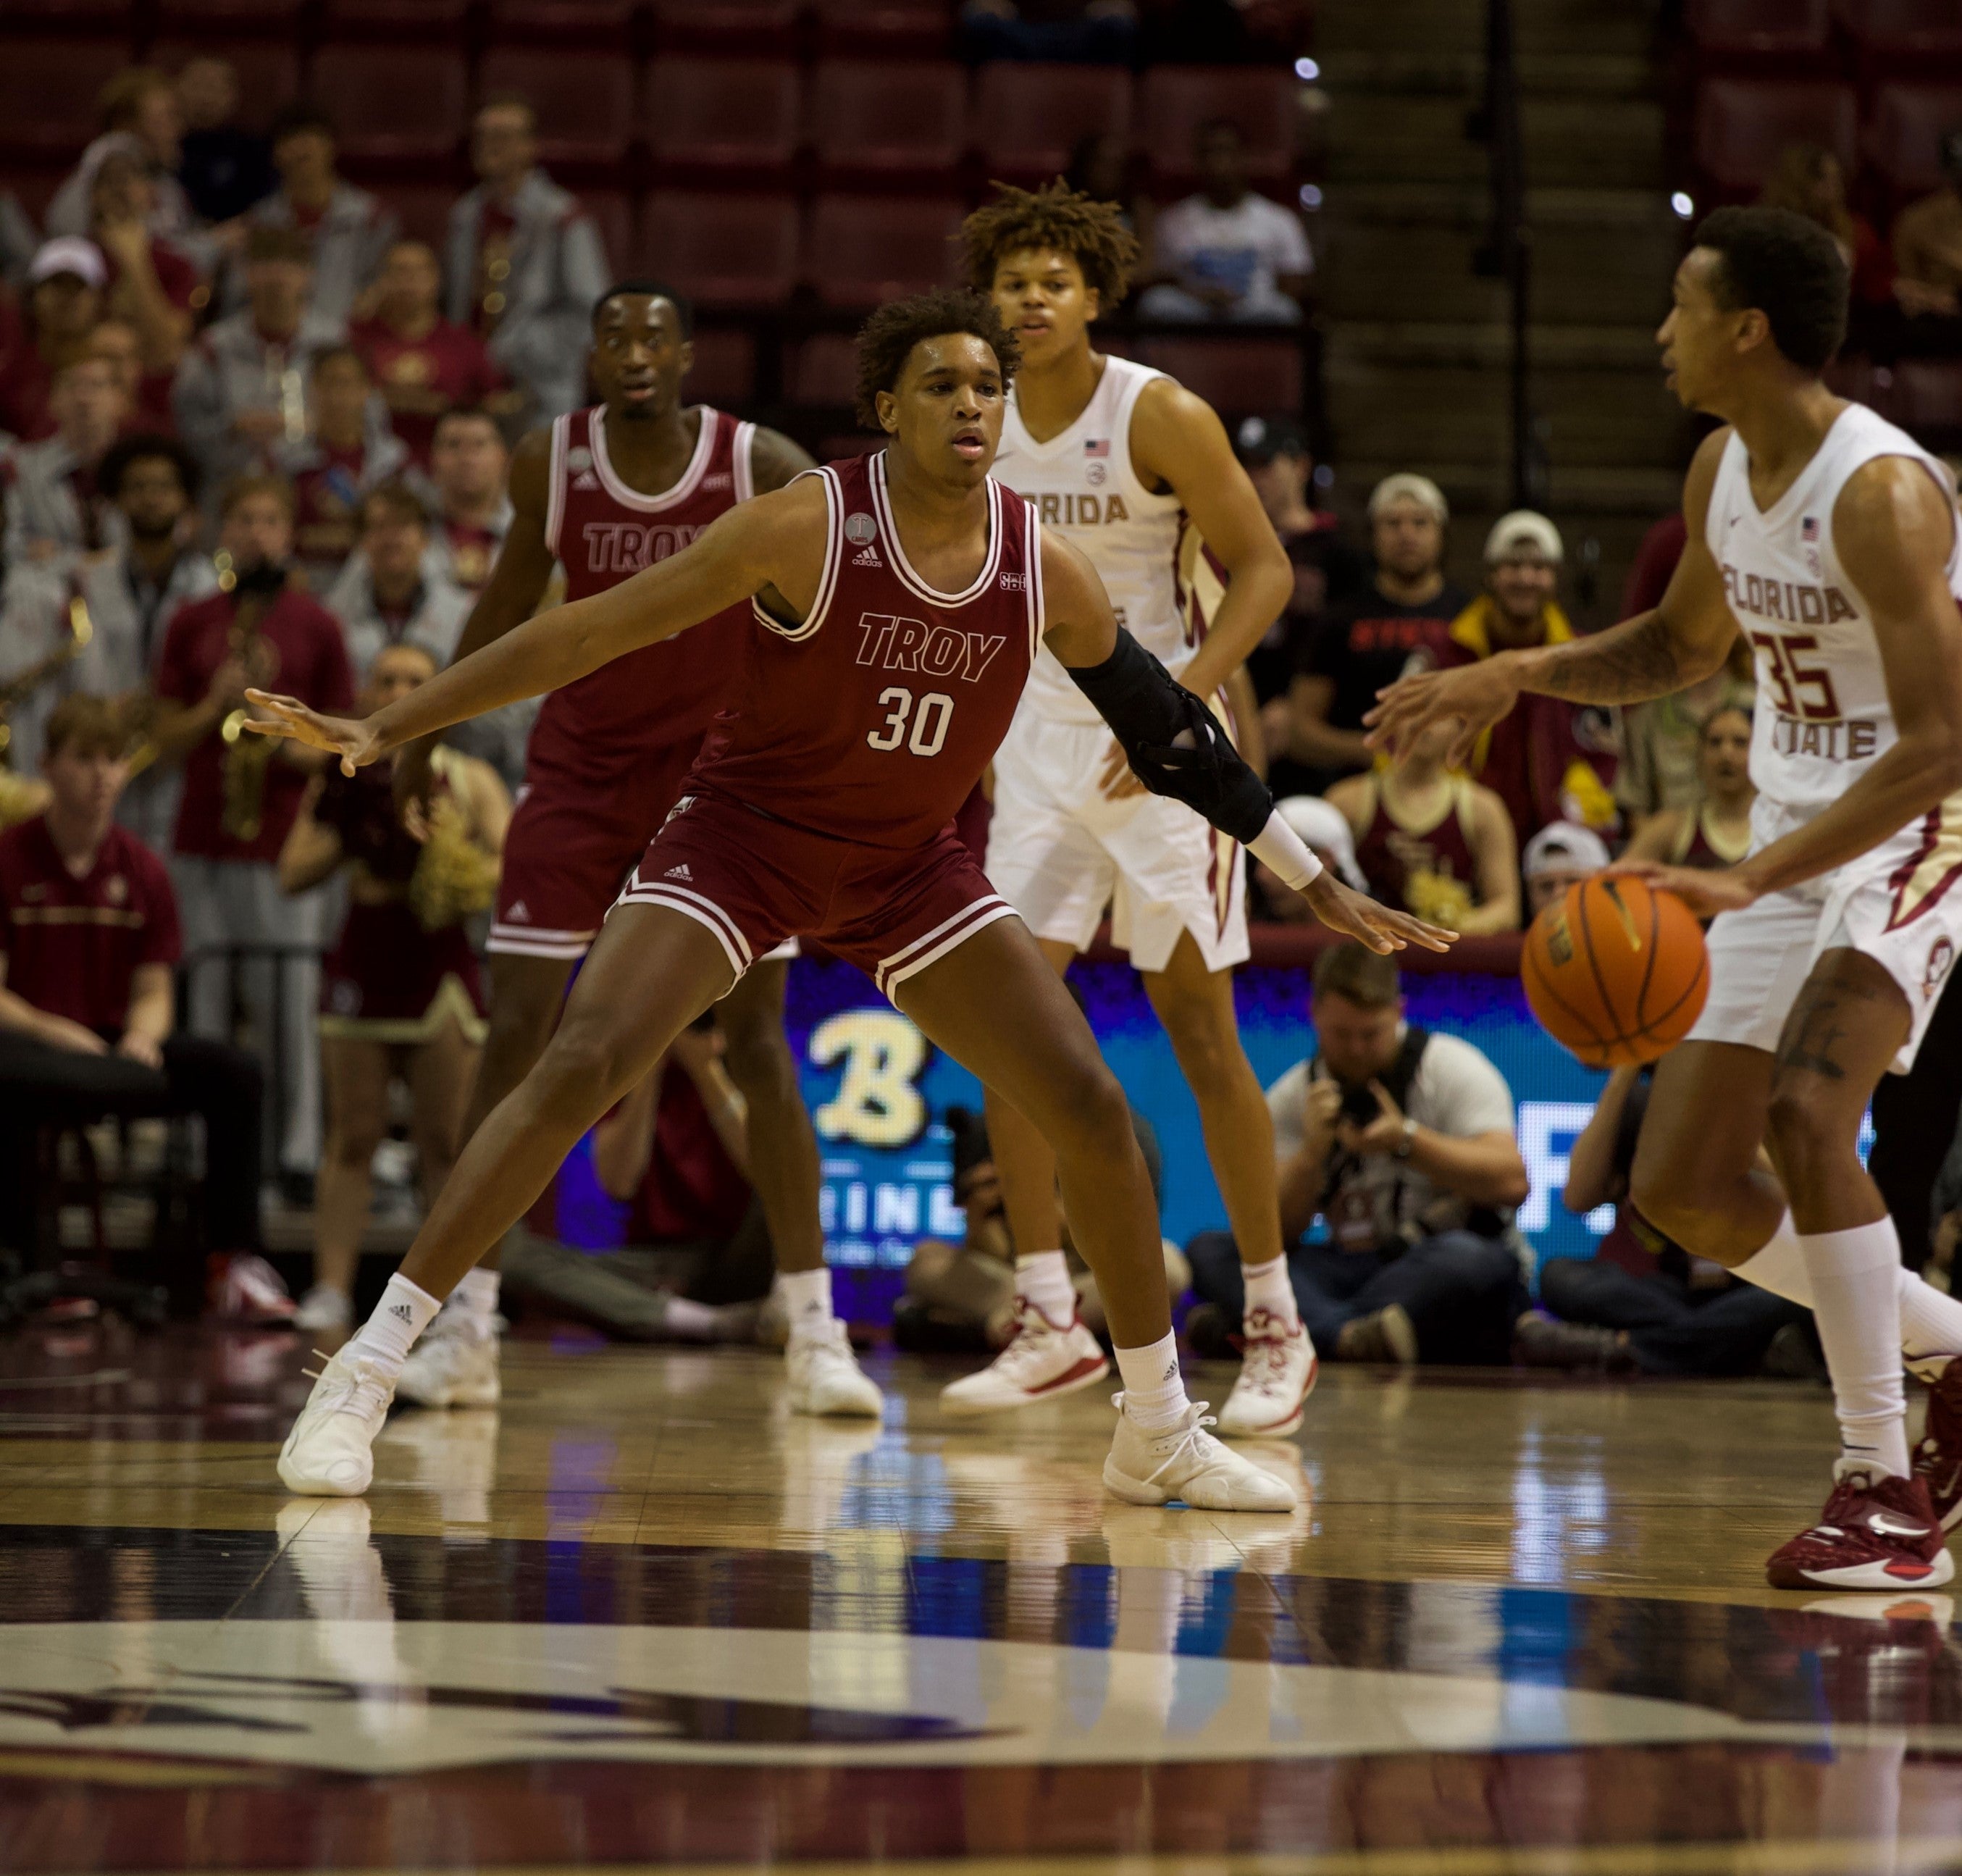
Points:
(88, 934)
(423, 363)
(349, 450)
(65, 281)
(237, 807)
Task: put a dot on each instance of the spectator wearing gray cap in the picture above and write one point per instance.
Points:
(1552, 760)
(1366, 642)
(65, 283)
(1325, 832)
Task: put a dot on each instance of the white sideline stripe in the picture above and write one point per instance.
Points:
(703, 914)
(982, 913)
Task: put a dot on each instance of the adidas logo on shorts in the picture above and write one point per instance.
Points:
(517, 914)
(869, 557)
(678, 872)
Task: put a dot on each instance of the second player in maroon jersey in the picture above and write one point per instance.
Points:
(823, 807)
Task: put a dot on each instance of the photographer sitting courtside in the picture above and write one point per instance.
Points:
(1403, 1142)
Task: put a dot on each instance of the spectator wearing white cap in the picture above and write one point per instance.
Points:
(1367, 642)
(1550, 760)
(65, 281)
(1323, 829)
(1560, 855)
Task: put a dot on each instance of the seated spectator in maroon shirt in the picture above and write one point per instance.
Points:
(1364, 644)
(65, 289)
(423, 363)
(1550, 760)
(88, 934)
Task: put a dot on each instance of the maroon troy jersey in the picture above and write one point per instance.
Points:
(604, 532)
(872, 721)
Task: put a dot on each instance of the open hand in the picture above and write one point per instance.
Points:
(1706, 891)
(352, 738)
(1382, 928)
(1476, 696)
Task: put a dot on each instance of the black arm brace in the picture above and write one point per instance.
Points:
(1175, 745)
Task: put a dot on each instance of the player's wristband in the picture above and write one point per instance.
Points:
(1277, 845)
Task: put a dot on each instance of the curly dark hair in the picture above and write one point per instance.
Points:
(142, 448)
(1056, 215)
(886, 339)
(1786, 268)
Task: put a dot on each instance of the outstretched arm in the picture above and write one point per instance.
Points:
(1683, 640)
(774, 542)
(1177, 748)
(1893, 527)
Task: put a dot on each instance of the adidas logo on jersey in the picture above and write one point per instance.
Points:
(586, 480)
(517, 914)
(869, 557)
(678, 872)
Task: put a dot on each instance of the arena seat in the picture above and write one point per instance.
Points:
(423, 19)
(1731, 28)
(1029, 118)
(612, 213)
(1928, 399)
(904, 121)
(584, 100)
(397, 106)
(1903, 36)
(724, 371)
(1175, 101)
(859, 29)
(1905, 127)
(722, 116)
(269, 72)
(193, 19)
(422, 209)
(1742, 125)
(722, 250)
(48, 89)
(728, 26)
(108, 18)
(824, 370)
(589, 24)
(860, 250)
(1234, 376)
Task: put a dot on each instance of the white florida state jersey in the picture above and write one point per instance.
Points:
(1083, 485)
(1822, 714)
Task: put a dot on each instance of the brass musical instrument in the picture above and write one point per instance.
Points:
(16, 690)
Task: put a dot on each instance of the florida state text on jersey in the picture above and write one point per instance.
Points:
(604, 532)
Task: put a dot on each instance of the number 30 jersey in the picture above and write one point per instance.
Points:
(872, 721)
(1822, 716)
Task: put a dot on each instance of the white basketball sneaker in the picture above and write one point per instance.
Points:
(824, 1378)
(1044, 1360)
(453, 1367)
(1276, 1376)
(1186, 1464)
(329, 1453)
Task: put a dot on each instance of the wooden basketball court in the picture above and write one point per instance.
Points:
(639, 1616)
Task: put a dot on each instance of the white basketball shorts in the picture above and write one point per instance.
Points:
(1900, 904)
(1059, 850)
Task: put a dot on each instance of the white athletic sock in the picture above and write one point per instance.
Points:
(1930, 1323)
(404, 1312)
(1043, 1280)
(1855, 1278)
(1268, 1289)
(1779, 1265)
(806, 1296)
(1153, 1388)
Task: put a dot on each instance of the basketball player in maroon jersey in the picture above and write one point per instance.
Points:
(605, 492)
(900, 599)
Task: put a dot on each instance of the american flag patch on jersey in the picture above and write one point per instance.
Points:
(1097, 446)
(1808, 528)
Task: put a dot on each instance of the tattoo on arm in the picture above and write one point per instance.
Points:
(1626, 664)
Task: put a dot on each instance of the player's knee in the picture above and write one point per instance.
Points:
(1093, 1119)
(587, 1066)
(1805, 1125)
(1670, 1198)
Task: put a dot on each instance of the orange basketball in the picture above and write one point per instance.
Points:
(1616, 971)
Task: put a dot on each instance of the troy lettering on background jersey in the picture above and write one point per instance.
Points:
(631, 547)
(910, 644)
(1786, 600)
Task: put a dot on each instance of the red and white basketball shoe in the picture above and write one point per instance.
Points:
(1937, 1458)
(1044, 1360)
(1276, 1375)
(1875, 1533)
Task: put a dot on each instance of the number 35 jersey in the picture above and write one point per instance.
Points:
(1823, 717)
(872, 721)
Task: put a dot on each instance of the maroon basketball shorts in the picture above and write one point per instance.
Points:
(754, 882)
(572, 840)
(387, 980)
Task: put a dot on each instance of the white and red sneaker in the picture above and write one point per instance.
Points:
(241, 1287)
(1938, 1456)
(1043, 1361)
(1276, 1375)
(1875, 1533)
